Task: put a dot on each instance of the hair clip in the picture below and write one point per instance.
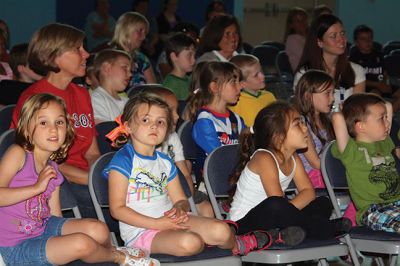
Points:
(117, 132)
(252, 130)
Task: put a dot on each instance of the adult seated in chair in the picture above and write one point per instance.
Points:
(58, 50)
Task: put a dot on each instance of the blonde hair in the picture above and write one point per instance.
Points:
(109, 56)
(28, 115)
(126, 24)
(48, 43)
(244, 62)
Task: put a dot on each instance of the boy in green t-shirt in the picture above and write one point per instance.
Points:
(364, 146)
(180, 50)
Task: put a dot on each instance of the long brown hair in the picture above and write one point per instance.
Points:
(312, 57)
(314, 81)
(269, 132)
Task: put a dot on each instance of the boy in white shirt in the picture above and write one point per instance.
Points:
(113, 71)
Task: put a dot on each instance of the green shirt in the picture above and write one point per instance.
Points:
(371, 173)
(180, 86)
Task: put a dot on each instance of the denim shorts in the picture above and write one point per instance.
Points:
(33, 251)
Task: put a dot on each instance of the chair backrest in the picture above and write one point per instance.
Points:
(218, 167)
(68, 201)
(185, 135)
(7, 138)
(283, 66)
(266, 54)
(392, 65)
(6, 117)
(278, 45)
(98, 189)
(389, 46)
(103, 129)
(334, 174)
(247, 47)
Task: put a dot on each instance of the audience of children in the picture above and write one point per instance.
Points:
(130, 31)
(180, 50)
(23, 76)
(220, 39)
(146, 196)
(113, 71)
(214, 124)
(314, 100)
(223, 97)
(295, 35)
(325, 49)
(33, 231)
(365, 148)
(57, 49)
(268, 164)
(252, 97)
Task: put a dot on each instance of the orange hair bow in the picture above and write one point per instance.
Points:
(118, 132)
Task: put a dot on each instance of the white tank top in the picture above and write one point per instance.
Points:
(250, 191)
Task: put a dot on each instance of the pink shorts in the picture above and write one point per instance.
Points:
(144, 241)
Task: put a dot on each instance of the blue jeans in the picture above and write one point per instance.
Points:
(33, 251)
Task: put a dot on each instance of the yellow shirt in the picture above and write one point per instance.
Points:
(249, 105)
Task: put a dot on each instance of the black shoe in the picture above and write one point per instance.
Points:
(290, 236)
(342, 226)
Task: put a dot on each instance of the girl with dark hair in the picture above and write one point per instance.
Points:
(326, 50)
(268, 165)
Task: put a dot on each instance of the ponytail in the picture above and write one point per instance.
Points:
(246, 140)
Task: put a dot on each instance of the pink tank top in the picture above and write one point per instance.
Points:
(28, 218)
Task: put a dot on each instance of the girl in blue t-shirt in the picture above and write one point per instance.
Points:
(146, 195)
(214, 124)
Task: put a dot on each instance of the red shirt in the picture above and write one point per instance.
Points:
(79, 107)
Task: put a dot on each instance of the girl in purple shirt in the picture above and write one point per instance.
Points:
(32, 231)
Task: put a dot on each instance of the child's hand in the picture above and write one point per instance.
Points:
(45, 175)
(170, 221)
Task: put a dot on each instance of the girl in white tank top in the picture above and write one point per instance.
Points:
(259, 202)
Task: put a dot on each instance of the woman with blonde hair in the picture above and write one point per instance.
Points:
(130, 31)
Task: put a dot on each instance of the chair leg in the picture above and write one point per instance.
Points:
(379, 261)
(352, 250)
(322, 262)
(393, 260)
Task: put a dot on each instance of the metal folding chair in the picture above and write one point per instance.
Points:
(218, 167)
(361, 237)
(98, 188)
(6, 117)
